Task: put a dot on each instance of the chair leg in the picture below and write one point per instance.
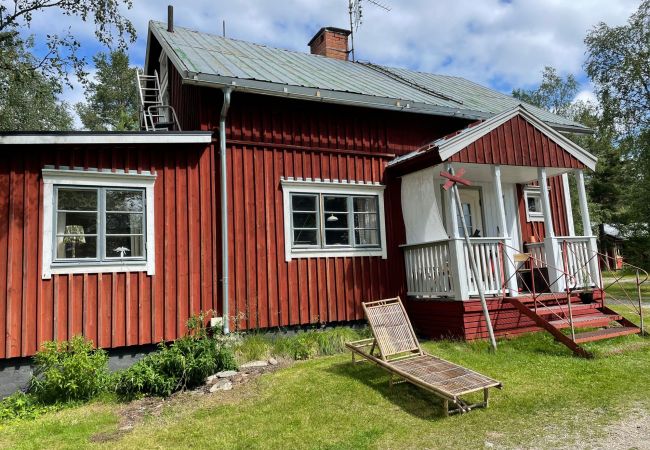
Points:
(445, 407)
(486, 397)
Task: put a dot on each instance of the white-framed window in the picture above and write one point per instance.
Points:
(324, 218)
(533, 204)
(97, 221)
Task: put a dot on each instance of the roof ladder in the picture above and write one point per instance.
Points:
(154, 115)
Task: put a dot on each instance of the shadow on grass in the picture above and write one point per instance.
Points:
(414, 401)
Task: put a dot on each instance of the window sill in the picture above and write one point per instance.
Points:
(335, 253)
(69, 269)
(534, 218)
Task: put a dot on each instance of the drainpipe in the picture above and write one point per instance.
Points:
(224, 208)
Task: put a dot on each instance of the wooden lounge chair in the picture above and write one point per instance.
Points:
(401, 355)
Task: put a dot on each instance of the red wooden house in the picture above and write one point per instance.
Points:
(306, 184)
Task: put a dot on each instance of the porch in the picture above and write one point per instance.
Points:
(510, 261)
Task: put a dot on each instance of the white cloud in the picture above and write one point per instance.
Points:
(493, 42)
(586, 95)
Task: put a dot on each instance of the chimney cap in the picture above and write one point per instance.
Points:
(332, 29)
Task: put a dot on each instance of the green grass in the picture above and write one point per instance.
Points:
(551, 398)
(625, 289)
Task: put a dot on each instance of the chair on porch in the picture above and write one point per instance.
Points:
(401, 355)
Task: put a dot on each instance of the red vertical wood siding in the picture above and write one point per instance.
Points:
(112, 309)
(519, 144)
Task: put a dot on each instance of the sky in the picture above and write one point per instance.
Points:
(503, 44)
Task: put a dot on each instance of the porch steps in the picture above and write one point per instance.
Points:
(591, 321)
(605, 333)
(555, 318)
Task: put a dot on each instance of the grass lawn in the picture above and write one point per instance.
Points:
(626, 287)
(551, 399)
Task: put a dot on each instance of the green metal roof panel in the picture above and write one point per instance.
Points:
(203, 56)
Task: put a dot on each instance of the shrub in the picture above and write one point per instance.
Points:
(22, 406)
(69, 371)
(183, 364)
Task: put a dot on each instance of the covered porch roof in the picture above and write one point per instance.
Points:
(514, 139)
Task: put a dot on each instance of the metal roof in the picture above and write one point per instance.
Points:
(209, 59)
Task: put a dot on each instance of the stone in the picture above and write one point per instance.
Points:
(254, 365)
(227, 373)
(273, 361)
(210, 379)
(221, 385)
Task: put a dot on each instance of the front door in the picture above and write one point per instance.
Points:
(471, 206)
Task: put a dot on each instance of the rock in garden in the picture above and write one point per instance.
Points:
(254, 365)
(210, 379)
(227, 373)
(273, 361)
(221, 385)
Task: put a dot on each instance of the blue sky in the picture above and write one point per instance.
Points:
(503, 44)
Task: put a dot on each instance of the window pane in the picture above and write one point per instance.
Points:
(534, 203)
(75, 247)
(123, 223)
(124, 200)
(335, 204)
(365, 220)
(366, 237)
(336, 220)
(304, 220)
(77, 199)
(337, 237)
(303, 203)
(76, 223)
(124, 246)
(365, 204)
(305, 237)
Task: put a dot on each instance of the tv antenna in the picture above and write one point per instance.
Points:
(356, 17)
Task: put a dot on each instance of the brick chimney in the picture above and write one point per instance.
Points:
(331, 42)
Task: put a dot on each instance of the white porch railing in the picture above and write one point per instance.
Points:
(428, 269)
(537, 254)
(580, 261)
(487, 254)
(434, 269)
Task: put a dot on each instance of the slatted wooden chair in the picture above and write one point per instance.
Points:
(401, 355)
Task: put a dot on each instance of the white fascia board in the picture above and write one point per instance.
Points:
(105, 138)
(449, 147)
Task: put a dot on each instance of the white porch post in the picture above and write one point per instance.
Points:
(508, 252)
(586, 228)
(567, 204)
(456, 251)
(553, 254)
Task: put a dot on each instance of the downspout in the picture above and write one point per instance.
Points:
(224, 209)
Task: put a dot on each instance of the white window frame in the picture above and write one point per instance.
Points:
(317, 187)
(103, 179)
(533, 216)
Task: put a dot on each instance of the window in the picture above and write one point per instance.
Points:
(326, 218)
(534, 212)
(96, 221)
(100, 224)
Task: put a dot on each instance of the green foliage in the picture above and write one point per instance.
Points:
(60, 51)
(304, 345)
(112, 100)
(69, 371)
(28, 100)
(182, 365)
(618, 62)
(553, 94)
(21, 406)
